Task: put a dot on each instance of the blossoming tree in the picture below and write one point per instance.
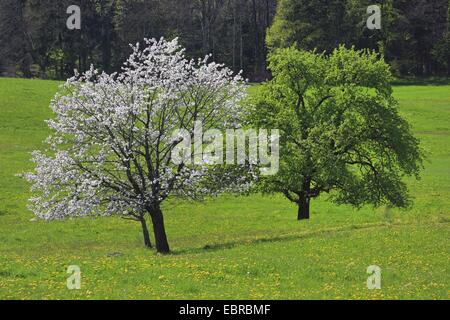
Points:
(112, 147)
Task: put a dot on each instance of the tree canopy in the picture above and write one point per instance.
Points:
(413, 35)
(115, 134)
(340, 130)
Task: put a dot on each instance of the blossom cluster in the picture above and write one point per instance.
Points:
(112, 142)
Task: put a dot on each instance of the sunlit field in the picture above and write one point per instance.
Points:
(230, 247)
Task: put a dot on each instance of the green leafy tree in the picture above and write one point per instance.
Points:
(321, 24)
(341, 132)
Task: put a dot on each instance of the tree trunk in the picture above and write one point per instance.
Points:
(162, 246)
(303, 208)
(107, 16)
(25, 66)
(304, 200)
(255, 39)
(145, 233)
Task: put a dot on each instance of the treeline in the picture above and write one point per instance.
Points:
(414, 35)
(233, 31)
(35, 41)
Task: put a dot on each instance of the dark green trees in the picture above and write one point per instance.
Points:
(311, 24)
(232, 31)
(340, 130)
(413, 36)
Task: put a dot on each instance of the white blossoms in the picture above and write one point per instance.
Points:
(113, 135)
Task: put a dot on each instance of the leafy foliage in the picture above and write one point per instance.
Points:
(411, 30)
(232, 31)
(341, 132)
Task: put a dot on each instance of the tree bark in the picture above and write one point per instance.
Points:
(25, 66)
(303, 208)
(145, 233)
(106, 24)
(162, 246)
(304, 200)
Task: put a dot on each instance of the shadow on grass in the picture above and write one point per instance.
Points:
(291, 237)
(288, 237)
(413, 81)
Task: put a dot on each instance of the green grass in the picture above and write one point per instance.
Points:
(228, 248)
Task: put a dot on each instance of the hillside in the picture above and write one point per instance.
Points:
(228, 248)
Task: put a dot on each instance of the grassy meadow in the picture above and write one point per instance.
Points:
(230, 247)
